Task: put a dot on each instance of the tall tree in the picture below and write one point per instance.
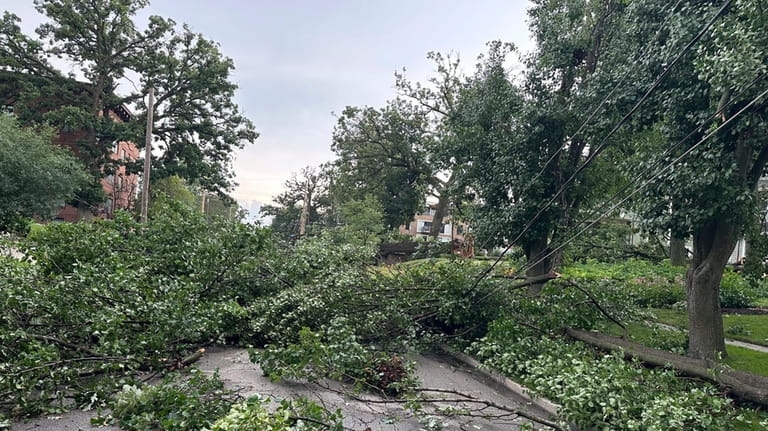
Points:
(521, 138)
(382, 154)
(714, 190)
(197, 124)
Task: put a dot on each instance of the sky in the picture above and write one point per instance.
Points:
(300, 61)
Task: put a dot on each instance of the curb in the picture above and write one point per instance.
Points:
(523, 392)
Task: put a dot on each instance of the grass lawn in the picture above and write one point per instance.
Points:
(740, 358)
(744, 327)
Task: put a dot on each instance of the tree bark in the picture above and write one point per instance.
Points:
(677, 252)
(534, 251)
(440, 212)
(712, 245)
(305, 211)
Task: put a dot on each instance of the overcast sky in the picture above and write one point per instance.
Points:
(300, 61)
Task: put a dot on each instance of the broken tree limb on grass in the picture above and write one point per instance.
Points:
(742, 385)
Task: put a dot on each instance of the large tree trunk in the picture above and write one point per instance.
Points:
(677, 253)
(440, 212)
(534, 251)
(712, 244)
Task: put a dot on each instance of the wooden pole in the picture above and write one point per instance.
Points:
(147, 158)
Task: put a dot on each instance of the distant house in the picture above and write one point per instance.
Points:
(120, 188)
(422, 224)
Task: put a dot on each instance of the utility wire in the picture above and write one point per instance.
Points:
(604, 143)
(605, 99)
(638, 189)
(674, 147)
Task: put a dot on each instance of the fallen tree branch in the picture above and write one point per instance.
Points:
(742, 385)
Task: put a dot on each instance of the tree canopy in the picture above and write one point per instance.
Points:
(197, 123)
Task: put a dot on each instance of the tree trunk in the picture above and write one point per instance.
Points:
(743, 385)
(677, 252)
(534, 251)
(712, 245)
(440, 212)
(304, 217)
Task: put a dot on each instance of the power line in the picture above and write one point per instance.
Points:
(641, 187)
(672, 148)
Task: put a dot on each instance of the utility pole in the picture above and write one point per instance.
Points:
(147, 158)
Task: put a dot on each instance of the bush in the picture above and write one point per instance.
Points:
(735, 291)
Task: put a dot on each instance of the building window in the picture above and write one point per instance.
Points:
(122, 154)
(425, 228)
(460, 229)
(119, 184)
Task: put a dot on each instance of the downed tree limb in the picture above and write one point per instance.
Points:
(742, 385)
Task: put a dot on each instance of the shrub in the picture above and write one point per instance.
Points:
(735, 291)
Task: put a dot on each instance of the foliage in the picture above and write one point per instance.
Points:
(362, 221)
(611, 242)
(35, 176)
(169, 189)
(175, 404)
(735, 291)
(603, 391)
(108, 297)
(431, 248)
(382, 154)
(648, 284)
(294, 415)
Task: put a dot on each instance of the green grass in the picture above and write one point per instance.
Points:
(740, 358)
(752, 328)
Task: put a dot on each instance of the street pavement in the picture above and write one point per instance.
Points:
(361, 411)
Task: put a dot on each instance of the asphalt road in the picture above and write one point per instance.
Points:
(374, 413)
